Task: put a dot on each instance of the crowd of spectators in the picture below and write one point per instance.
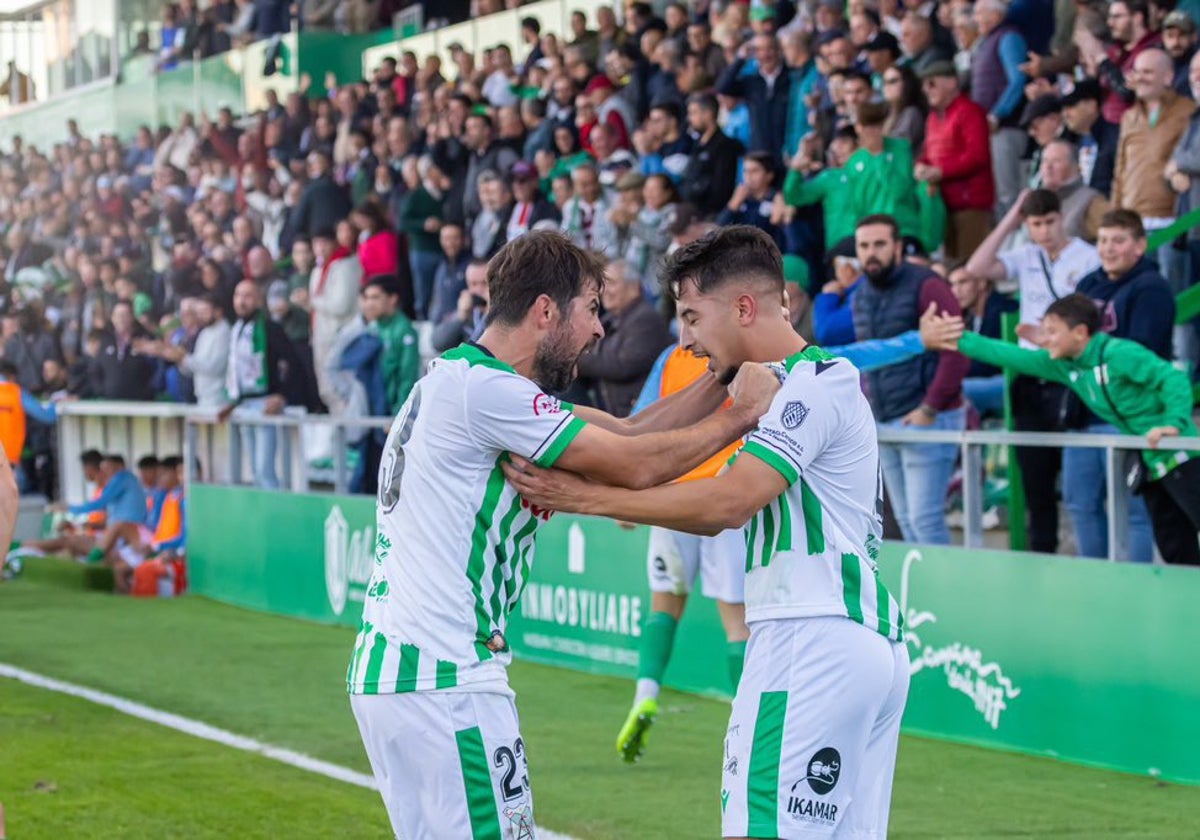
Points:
(902, 154)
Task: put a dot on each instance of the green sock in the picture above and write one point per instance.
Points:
(737, 656)
(14, 545)
(96, 555)
(658, 637)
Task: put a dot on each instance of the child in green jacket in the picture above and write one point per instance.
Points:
(1127, 385)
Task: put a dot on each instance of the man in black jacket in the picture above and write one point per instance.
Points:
(322, 204)
(263, 376)
(124, 373)
(486, 155)
(1098, 137)
(766, 93)
(634, 335)
(711, 172)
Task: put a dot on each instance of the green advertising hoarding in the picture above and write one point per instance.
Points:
(1084, 660)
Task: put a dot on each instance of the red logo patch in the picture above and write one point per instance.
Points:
(543, 514)
(543, 404)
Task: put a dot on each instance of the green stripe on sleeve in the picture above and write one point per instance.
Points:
(773, 460)
(503, 556)
(883, 608)
(559, 445)
(447, 674)
(477, 564)
(522, 549)
(768, 543)
(784, 543)
(814, 529)
(762, 785)
(410, 658)
(477, 785)
(375, 664)
(852, 586)
(752, 541)
(360, 641)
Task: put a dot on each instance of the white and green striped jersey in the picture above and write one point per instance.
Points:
(454, 540)
(813, 550)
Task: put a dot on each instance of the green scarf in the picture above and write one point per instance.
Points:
(234, 382)
(258, 342)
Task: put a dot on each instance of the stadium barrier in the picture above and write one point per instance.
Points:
(1046, 655)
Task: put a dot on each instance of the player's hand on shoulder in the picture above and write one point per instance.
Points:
(753, 389)
(548, 489)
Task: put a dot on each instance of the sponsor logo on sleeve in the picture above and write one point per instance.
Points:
(544, 404)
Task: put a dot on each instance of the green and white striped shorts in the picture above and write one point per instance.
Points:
(811, 746)
(450, 765)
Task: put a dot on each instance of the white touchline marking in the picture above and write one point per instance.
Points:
(209, 733)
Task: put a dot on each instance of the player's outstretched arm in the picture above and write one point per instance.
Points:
(705, 506)
(646, 460)
(683, 408)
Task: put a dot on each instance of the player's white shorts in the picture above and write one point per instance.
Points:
(811, 746)
(450, 765)
(674, 558)
(132, 557)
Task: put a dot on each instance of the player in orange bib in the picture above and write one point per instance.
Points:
(672, 563)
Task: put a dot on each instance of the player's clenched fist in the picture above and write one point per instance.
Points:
(752, 390)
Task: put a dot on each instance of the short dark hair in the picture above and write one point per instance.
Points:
(542, 262)
(1076, 309)
(487, 120)
(846, 132)
(872, 113)
(668, 106)
(389, 284)
(880, 219)
(1040, 203)
(706, 101)
(857, 75)
(1137, 7)
(8, 369)
(1126, 219)
(531, 23)
(952, 265)
(148, 462)
(115, 458)
(91, 458)
(171, 462)
(764, 159)
(727, 254)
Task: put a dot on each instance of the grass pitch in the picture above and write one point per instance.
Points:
(70, 769)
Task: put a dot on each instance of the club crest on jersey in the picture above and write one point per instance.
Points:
(543, 404)
(794, 414)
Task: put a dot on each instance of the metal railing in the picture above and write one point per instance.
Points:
(135, 429)
(971, 444)
(217, 446)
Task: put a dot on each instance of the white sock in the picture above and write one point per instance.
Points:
(646, 690)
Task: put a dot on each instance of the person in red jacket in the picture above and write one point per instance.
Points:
(378, 245)
(957, 159)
